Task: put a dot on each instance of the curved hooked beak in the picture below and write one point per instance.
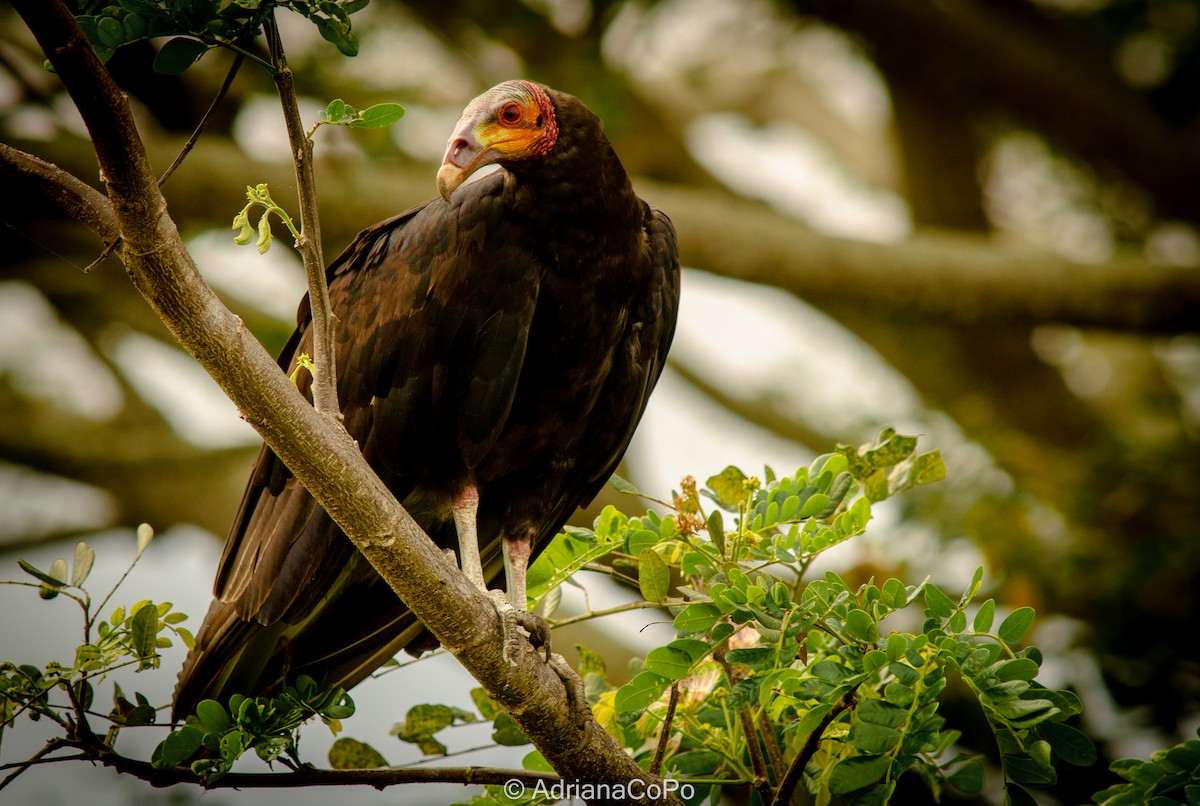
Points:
(464, 154)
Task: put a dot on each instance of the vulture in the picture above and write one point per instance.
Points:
(495, 349)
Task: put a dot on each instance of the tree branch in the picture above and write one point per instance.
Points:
(1014, 53)
(94, 749)
(950, 277)
(791, 779)
(71, 195)
(324, 386)
(933, 275)
(762, 779)
(315, 449)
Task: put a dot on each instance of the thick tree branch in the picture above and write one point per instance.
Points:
(1015, 54)
(956, 278)
(933, 275)
(71, 195)
(313, 447)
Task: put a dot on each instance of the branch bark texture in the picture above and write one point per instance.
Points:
(314, 447)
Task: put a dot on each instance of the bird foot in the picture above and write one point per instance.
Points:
(535, 627)
(577, 699)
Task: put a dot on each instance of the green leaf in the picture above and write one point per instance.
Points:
(938, 602)
(860, 625)
(857, 772)
(1014, 626)
(669, 662)
(926, 469)
(145, 533)
(695, 649)
(50, 578)
(986, 615)
(751, 656)
(694, 762)
(640, 692)
(815, 504)
(728, 488)
(81, 564)
(697, 617)
(968, 777)
(143, 632)
(178, 55)
(874, 660)
(879, 712)
(589, 662)
(654, 578)
(811, 720)
(110, 32)
(871, 738)
(1073, 747)
(422, 721)
(506, 732)
(351, 754)
(378, 116)
(335, 110)
(212, 714)
(338, 34)
(566, 554)
(1014, 669)
(486, 706)
(716, 530)
(176, 748)
(895, 595)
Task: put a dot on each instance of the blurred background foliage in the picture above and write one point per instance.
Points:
(972, 220)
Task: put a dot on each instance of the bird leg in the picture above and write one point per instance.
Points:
(512, 610)
(466, 507)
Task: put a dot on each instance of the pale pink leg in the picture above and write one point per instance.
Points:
(466, 507)
(516, 562)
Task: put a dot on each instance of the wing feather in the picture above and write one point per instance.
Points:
(415, 307)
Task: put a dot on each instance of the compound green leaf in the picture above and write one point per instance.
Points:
(351, 754)
(654, 578)
(640, 692)
(857, 772)
(1014, 626)
(178, 55)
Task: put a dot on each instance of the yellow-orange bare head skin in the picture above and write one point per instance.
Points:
(510, 123)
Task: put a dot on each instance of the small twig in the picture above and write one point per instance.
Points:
(205, 120)
(36, 758)
(183, 152)
(758, 763)
(809, 749)
(625, 608)
(665, 732)
(324, 386)
(771, 742)
(405, 664)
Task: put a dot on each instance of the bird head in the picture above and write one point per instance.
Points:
(510, 123)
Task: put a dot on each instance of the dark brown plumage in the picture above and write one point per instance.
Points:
(495, 346)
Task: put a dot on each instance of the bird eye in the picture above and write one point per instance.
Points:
(511, 113)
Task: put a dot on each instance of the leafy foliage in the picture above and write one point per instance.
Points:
(196, 28)
(127, 637)
(219, 735)
(1169, 777)
(212, 739)
(775, 679)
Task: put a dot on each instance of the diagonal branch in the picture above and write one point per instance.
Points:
(314, 447)
(791, 779)
(324, 386)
